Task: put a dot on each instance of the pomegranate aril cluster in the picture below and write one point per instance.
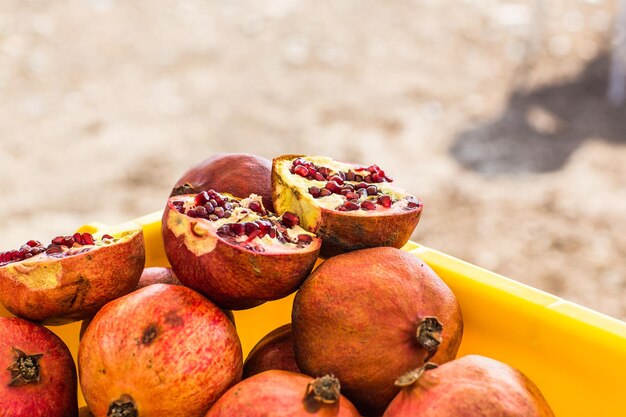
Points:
(34, 247)
(310, 171)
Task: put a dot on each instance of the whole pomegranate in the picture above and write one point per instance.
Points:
(469, 386)
(349, 206)
(72, 277)
(38, 375)
(239, 174)
(163, 350)
(273, 351)
(234, 251)
(370, 315)
(278, 393)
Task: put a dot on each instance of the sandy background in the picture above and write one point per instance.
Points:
(493, 112)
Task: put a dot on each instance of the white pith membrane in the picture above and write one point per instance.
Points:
(286, 237)
(333, 201)
(60, 247)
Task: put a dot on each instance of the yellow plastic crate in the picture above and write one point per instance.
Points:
(575, 355)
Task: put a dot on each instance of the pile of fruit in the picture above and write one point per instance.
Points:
(374, 332)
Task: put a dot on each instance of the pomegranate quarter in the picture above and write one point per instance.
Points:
(370, 315)
(234, 251)
(348, 206)
(72, 277)
(161, 351)
(467, 387)
(37, 372)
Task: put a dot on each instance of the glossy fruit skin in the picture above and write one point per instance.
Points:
(273, 351)
(468, 387)
(167, 347)
(345, 231)
(275, 393)
(232, 277)
(54, 395)
(357, 316)
(55, 291)
(239, 174)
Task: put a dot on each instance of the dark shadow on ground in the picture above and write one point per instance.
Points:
(540, 129)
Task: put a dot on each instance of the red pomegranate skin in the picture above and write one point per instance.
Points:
(471, 386)
(157, 275)
(166, 347)
(54, 395)
(239, 174)
(274, 351)
(276, 393)
(357, 315)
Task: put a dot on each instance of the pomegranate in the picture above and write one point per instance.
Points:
(238, 174)
(234, 251)
(38, 376)
(274, 351)
(469, 386)
(163, 350)
(84, 412)
(370, 315)
(149, 276)
(349, 206)
(72, 277)
(279, 393)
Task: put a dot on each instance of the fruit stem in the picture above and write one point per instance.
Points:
(325, 389)
(410, 377)
(429, 335)
(124, 407)
(25, 369)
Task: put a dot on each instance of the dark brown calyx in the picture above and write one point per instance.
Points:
(410, 377)
(25, 369)
(429, 335)
(186, 188)
(124, 407)
(324, 390)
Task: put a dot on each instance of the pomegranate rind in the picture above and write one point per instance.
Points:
(275, 393)
(55, 291)
(273, 351)
(54, 395)
(468, 384)
(229, 275)
(191, 357)
(239, 174)
(342, 231)
(357, 316)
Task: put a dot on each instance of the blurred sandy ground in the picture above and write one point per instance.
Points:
(492, 111)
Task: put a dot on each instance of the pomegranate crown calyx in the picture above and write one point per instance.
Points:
(325, 390)
(429, 335)
(25, 369)
(411, 377)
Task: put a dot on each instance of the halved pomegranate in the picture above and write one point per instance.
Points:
(349, 206)
(234, 251)
(72, 277)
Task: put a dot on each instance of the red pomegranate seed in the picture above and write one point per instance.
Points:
(362, 192)
(201, 212)
(105, 236)
(251, 227)
(213, 217)
(351, 205)
(368, 179)
(213, 202)
(87, 238)
(272, 233)
(342, 175)
(290, 219)
(255, 206)
(319, 177)
(373, 168)
(337, 179)
(333, 187)
(413, 202)
(305, 238)
(178, 203)
(324, 171)
(78, 238)
(58, 240)
(350, 176)
(372, 190)
(209, 207)
(377, 178)
(352, 196)
(360, 185)
(201, 199)
(33, 243)
(298, 161)
(219, 212)
(54, 249)
(192, 213)
(301, 170)
(314, 191)
(238, 228)
(325, 192)
(385, 201)
(368, 205)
